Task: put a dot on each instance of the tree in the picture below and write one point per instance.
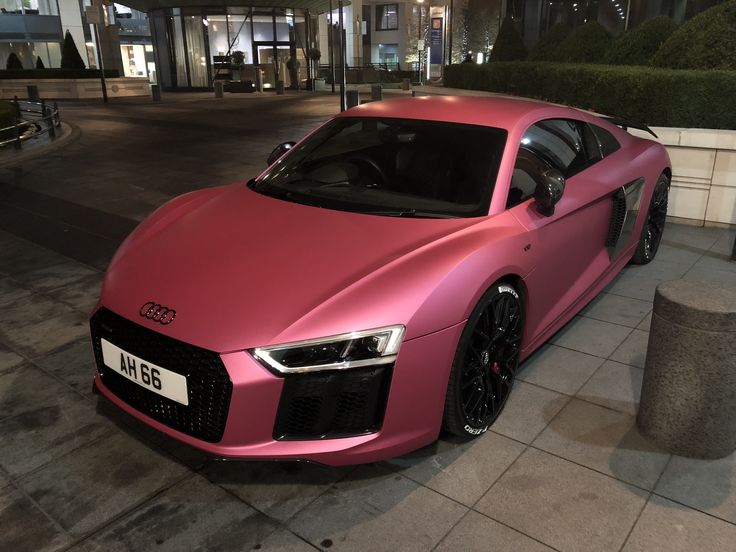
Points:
(39, 63)
(70, 58)
(508, 46)
(13, 62)
(637, 46)
(545, 48)
(586, 44)
(707, 41)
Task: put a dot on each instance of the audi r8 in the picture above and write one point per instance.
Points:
(381, 280)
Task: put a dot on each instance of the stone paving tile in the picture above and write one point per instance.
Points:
(677, 253)
(665, 526)
(41, 420)
(192, 515)
(52, 277)
(528, 411)
(478, 533)
(82, 294)
(633, 350)
(95, 483)
(461, 471)
(18, 256)
(707, 485)
(566, 506)
(8, 359)
(616, 386)
(590, 336)
(283, 540)
(12, 291)
(691, 236)
(72, 363)
(646, 323)
(559, 369)
(36, 325)
(278, 489)
(640, 282)
(717, 261)
(375, 510)
(604, 440)
(617, 309)
(724, 244)
(25, 527)
(711, 275)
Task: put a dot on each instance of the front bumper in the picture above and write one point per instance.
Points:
(412, 416)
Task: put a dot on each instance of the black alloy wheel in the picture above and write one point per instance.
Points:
(651, 234)
(485, 363)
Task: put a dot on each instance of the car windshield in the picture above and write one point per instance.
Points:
(391, 167)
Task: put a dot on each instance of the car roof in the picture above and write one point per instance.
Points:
(500, 112)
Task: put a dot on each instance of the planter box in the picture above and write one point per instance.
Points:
(75, 89)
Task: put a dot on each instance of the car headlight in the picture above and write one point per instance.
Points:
(337, 352)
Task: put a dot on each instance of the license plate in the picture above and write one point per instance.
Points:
(146, 374)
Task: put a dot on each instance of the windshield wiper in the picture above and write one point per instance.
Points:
(409, 213)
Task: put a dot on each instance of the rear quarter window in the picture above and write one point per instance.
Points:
(609, 144)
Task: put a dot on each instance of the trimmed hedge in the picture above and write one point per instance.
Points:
(707, 41)
(58, 74)
(637, 46)
(546, 47)
(508, 46)
(588, 43)
(70, 57)
(660, 97)
(8, 114)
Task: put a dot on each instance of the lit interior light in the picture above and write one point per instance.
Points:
(479, 57)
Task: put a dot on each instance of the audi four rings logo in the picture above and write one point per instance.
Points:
(158, 313)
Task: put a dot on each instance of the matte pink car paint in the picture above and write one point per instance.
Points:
(245, 270)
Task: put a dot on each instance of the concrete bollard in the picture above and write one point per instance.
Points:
(279, 86)
(376, 92)
(352, 98)
(406, 84)
(156, 92)
(688, 397)
(33, 95)
(219, 89)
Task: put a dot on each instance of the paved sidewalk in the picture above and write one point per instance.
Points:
(564, 468)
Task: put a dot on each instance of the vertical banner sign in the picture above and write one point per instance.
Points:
(436, 44)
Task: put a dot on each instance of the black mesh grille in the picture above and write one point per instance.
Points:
(333, 404)
(208, 384)
(618, 216)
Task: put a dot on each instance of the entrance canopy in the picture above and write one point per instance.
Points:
(314, 6)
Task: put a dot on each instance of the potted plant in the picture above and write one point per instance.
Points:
(314, 56)
(237, 60)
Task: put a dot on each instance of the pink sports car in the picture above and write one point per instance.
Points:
(380, 281)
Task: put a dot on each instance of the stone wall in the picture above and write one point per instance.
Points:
(74, 89)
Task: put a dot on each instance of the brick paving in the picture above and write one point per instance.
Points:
(564, 468)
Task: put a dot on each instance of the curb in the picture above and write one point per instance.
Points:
(70, 132)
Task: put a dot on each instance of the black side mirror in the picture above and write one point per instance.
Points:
(278, 151)
(549, 190)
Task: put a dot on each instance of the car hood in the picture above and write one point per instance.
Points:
(244, 270)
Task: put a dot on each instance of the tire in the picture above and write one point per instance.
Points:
(651, 234)
(485, 362)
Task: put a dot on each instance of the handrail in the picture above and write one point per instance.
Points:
(47, 116)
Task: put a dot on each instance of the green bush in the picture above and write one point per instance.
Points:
(546, 47)
(637, 46)
(707, 41)
(586, 44)
(8, 113)
(661, 97)
(13, 63)
(508, 46)
(70, 58)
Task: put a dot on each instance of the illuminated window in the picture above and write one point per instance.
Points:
(387, 17)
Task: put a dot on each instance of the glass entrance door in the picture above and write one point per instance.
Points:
(272, 63)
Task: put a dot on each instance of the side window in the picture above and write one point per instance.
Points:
(527, 169)
(609, 144)
(565, 144)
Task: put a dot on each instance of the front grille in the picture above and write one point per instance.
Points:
(618, 216)
(208, 384)
(333, 404)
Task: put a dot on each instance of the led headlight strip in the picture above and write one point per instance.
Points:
(337, 352)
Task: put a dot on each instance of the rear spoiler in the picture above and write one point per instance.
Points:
(625, 124)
